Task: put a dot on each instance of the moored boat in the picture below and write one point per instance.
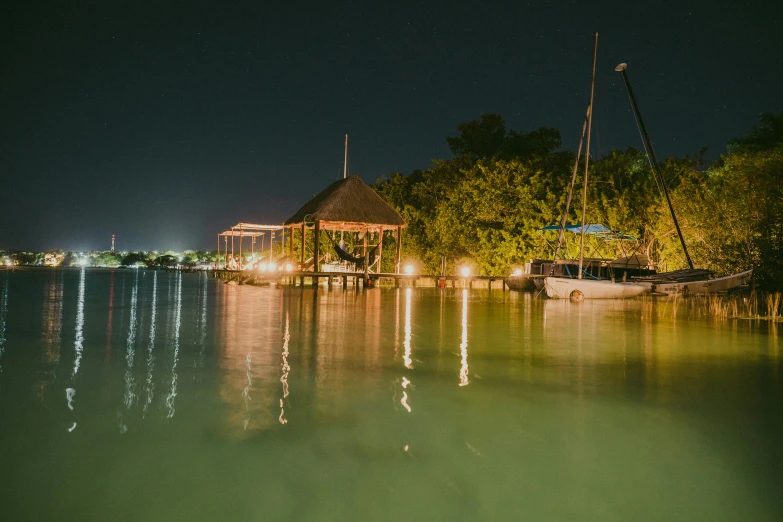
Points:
(578, 289)
(699, 286)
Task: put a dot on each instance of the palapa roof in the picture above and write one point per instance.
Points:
(349, 204)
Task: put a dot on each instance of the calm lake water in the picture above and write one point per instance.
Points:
(142, 395)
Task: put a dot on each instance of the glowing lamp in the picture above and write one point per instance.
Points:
(465, 271)
(272, 267)
(262, 267)
(409, 269)
(517, 272)
(289, 267)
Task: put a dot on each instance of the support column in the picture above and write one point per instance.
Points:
(366, 258)
(291, 245)
(303, 244)
(316, 244)
(398, 248)
(217, 263)
(380, 250)
(240, 247)
(232, 244)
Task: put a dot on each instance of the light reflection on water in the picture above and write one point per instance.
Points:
(334, 404)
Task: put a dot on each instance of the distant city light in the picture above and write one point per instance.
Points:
(83, 262)
(465, 271)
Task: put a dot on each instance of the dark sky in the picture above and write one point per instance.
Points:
(166, 122)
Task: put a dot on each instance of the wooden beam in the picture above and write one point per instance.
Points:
(398, 248)
(316, 245)
(303, 245)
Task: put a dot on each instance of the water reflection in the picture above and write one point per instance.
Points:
(407, 343)
(150, 385)
(3, 317)
(130, 349)
(109, 321)
(286, 369)
(52, 319)
(407, 361)
(78, 345)
(202, 323)
(177, 325)
(463, 347)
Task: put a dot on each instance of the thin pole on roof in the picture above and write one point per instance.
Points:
(345, 161)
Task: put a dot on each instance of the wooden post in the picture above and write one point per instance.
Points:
(399, 251)
(380, 250)
(303, 245)
(301, 278)
(217, 265)
(317, 245)
(232, 243)
(240, 248)
(366, 258)
(291, 245)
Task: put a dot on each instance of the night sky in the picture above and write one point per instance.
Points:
(167, 122)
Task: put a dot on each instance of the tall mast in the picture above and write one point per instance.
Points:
(564, 218)
(656, 168)
(345, 162)
(587, 161)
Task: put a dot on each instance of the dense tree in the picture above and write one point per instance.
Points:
(488, 204)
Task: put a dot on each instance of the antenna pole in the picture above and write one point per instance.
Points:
(653, 160)
(587, 161)
(345, 162)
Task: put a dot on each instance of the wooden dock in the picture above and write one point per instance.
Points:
(356, 279)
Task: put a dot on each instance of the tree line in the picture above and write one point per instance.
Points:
(487, 204)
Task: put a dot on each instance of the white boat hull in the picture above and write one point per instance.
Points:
(707, 286)
(566, 288)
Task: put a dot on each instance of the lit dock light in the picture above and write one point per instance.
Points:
(262, 267)
(517, 272)
(272, 267)
(409, 269)
(289, 267)
(465, 271)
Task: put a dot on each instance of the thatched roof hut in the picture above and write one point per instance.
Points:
(348, 204)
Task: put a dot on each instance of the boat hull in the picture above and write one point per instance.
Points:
(565, 288)
(706, 286)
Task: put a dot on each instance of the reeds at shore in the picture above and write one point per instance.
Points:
(753, 305)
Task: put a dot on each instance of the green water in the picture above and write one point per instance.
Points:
(147, 395)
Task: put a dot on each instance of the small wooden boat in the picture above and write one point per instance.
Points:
(578, 289)
(703, 285)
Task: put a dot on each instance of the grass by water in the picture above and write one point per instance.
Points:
(753, 305)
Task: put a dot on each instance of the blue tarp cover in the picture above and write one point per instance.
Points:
(593, 230)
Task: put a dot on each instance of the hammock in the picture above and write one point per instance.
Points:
(358, 261)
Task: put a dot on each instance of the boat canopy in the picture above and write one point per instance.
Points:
(597, 230)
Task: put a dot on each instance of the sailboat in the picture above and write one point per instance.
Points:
(580, 288)
(691, 281)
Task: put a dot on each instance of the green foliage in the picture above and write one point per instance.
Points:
(487, 204)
